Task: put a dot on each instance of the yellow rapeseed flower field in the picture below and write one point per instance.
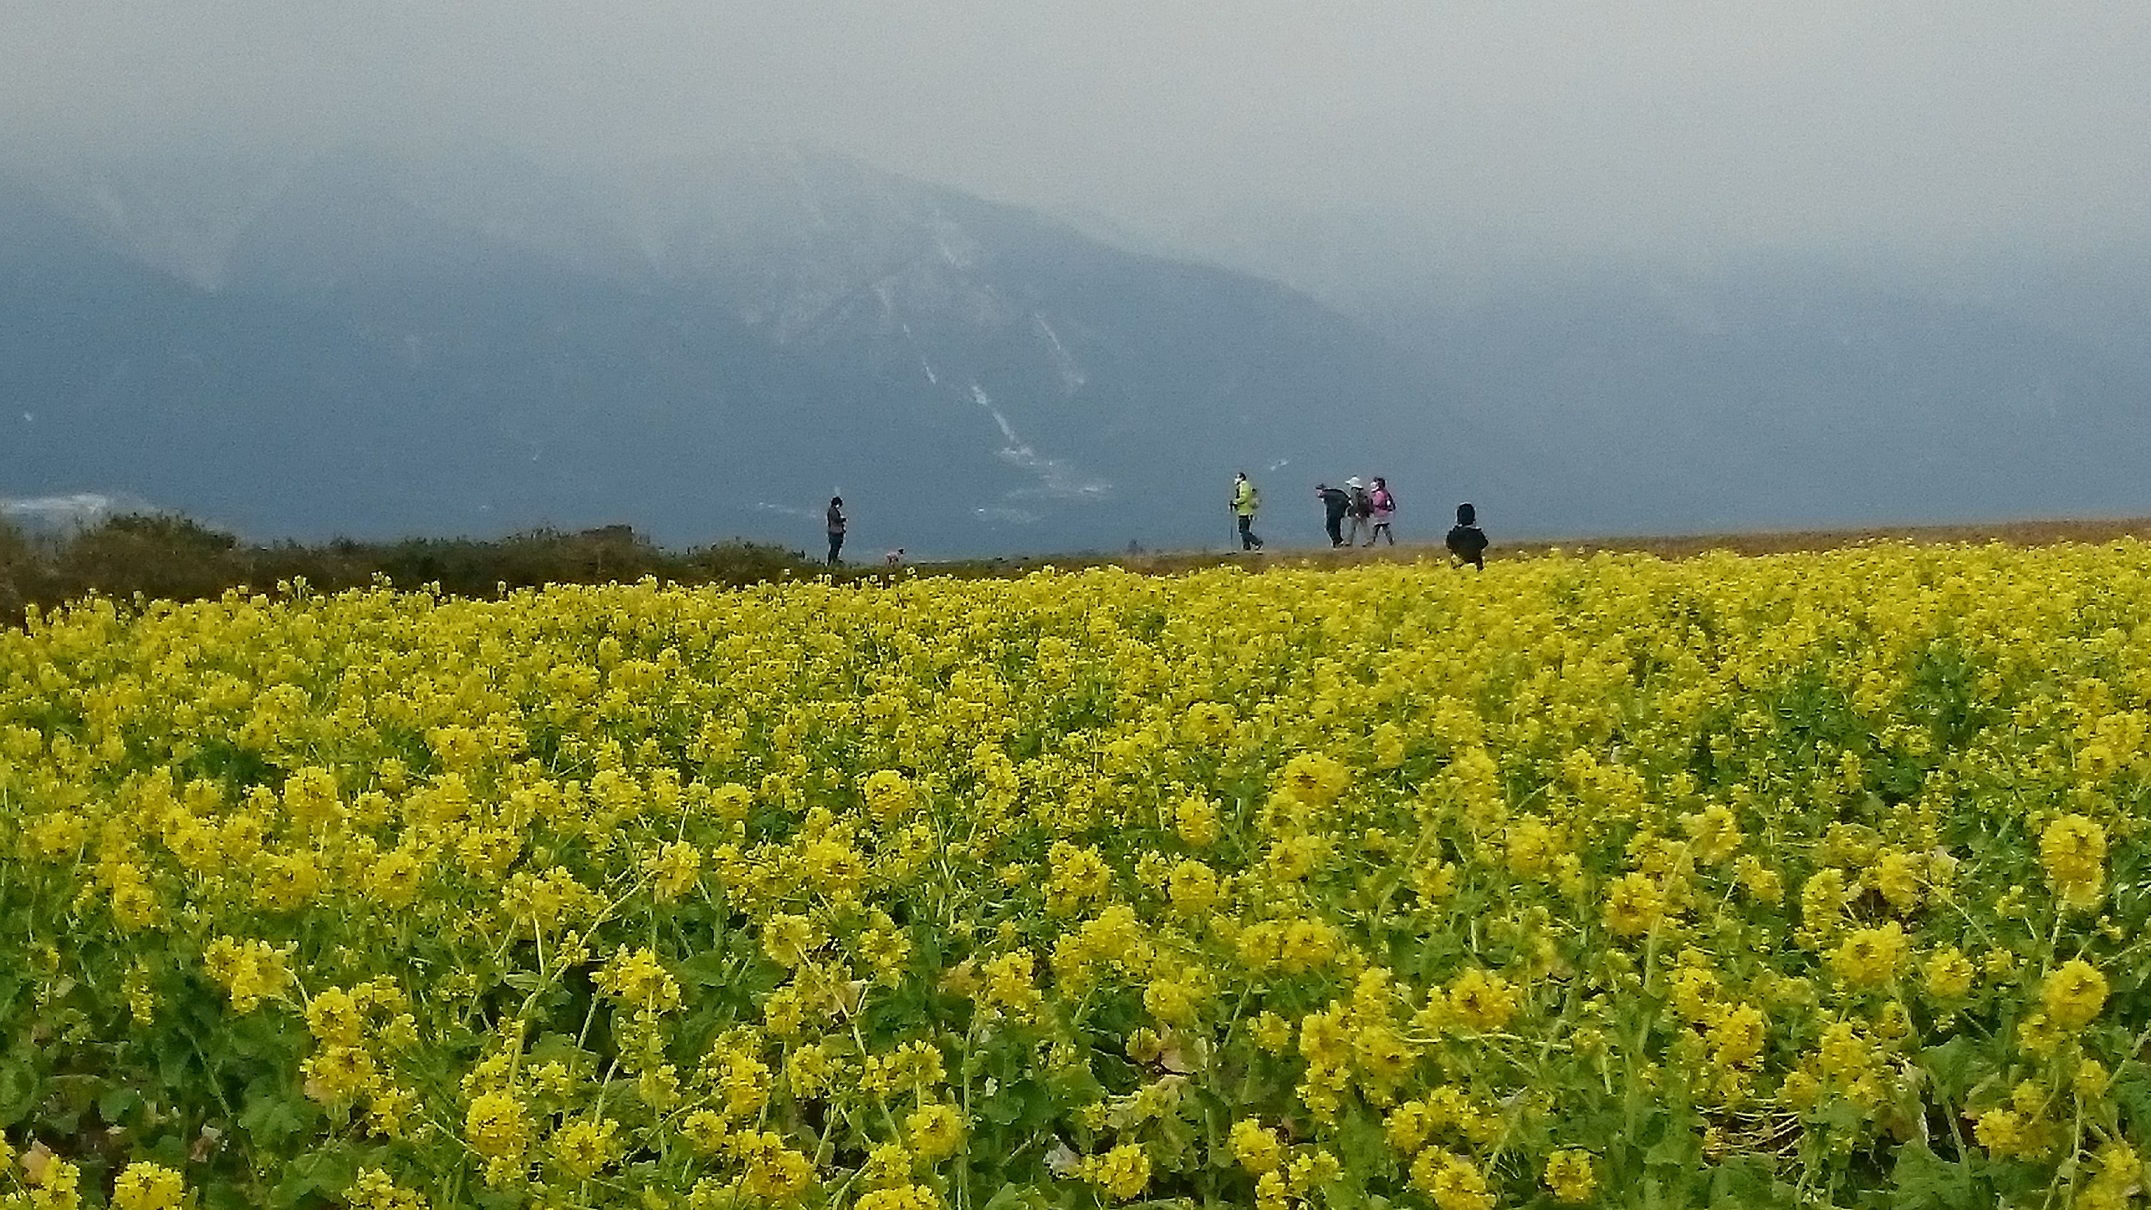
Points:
(1807, 880)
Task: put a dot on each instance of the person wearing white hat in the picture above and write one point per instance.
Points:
(1362, 511)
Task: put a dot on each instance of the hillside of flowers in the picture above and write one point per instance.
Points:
(1808, 880)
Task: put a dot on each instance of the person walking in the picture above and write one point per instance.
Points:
(1335, 504)
(1466, 540)
(1245, 502)
(1385, 509)
(836, 528)
(1362, 510)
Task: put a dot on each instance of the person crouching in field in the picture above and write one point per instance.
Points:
(1334, 505)
(1466, 540)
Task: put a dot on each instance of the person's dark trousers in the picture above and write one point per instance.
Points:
(836, 543)
(1248, 540)
(1336, 529)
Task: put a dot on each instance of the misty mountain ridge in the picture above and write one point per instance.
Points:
(375, 343)
(456, 342)
(1714, 389)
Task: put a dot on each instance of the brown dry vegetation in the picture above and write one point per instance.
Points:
(1759, 542)
(166, 558)
(171, 558)
(1771, 542)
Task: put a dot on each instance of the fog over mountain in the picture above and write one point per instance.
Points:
(373, 342)
(1783, 387)
(1024, 278)
(376, 342)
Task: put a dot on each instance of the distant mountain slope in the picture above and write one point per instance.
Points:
(379, 343)
(371, 343)
(1771, 396)
(1710, 392)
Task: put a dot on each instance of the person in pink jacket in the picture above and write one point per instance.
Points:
(1385, 508)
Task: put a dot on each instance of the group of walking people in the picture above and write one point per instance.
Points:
(1368, 512)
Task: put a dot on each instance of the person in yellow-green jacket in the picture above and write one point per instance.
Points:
(1245, 500)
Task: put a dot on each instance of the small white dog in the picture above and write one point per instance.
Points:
(894, 557)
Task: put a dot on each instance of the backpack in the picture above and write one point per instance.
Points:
(1361, 505)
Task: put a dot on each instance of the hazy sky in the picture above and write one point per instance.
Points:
(1960, 122)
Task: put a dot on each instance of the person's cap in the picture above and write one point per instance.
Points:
(1354, 482)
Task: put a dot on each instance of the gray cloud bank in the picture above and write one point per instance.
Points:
(1575, 127)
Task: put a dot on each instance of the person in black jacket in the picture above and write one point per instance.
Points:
(1466, 540)
(836, 528)
(1335, 503)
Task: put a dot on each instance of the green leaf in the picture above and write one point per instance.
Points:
(710, 968)
(1012, 1196)
(551, 1046)
(1677, 1149)
(271, 1117)
(69, 1098)
(1956, 1065)
(223, 1195)
(1074, 1085)
(1003, 1108)
(176, 1060)
(18, 1090)
(116, 1103)
(262, 1034)
(1923, 1180)
(325, 1173)
(1749, 1183)
(1361, 1144)
(2131, 1090)
(1343, 1195)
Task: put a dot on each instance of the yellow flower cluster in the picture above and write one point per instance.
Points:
(250, 971)
(1121, 1173)
(1571, 1176)
(1579, 881)
(1870, 957)
(145, 1186)
(2073, 850)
